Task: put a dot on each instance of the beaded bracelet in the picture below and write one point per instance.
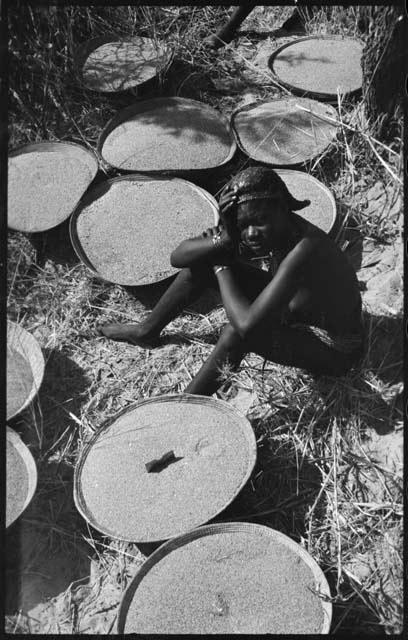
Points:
(217, 240)
(220, 268)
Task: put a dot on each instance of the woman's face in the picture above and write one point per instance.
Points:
(263, 224)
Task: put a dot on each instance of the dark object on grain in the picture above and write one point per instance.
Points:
(117, 230)
(110, 64)
(158, 464)
(215, 450)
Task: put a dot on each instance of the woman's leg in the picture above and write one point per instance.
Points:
(185, 289)
(297, 347)
(278, 343)
(230, 349)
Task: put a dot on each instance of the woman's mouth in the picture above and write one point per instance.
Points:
(254, 246)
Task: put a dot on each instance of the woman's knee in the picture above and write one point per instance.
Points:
(200, 275)
(230, 337)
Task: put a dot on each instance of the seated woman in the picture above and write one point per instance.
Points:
(307, 314)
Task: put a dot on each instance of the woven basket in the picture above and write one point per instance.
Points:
(143, 109)
(70, 150)
(27, 346)
(14, 440)
(320, 87)
(215, 452)
(228, 586)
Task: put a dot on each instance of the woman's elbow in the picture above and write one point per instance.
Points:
(176, 258)
(243, 330)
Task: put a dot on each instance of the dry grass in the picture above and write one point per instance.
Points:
(316, 479)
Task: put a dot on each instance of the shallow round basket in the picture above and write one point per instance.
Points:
(169, 135)
(149, 499)
(285, 132)
(110, 64)
(21, 477)
(125, 229)
(25, 368)
(46, 180)
(322, 209)
(228, 578)
(320, 67)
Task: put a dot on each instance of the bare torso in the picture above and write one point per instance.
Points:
(328, 294)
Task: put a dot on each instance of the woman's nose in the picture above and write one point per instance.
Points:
(252, 232)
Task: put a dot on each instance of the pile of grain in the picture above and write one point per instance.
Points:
(17, 483)
(321, 65)
(216, 451)
(117, 66)
(20, 381)
(227, 583)
(169, 135)
(282, 133)
(322, 209)
(45, 186)
(129, 232)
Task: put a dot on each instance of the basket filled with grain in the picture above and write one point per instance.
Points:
(284, 132)
(46, 180)
(321, 67)
(125, 229)
(110, 64)
(322, 209)
(173, 135)
(21, 476)
(179, 461)
(25, 368)
(228, 578)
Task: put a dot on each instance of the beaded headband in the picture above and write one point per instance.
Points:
(256, 196)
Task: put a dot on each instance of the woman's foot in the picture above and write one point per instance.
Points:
(133, 333)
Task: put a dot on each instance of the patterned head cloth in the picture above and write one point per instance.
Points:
(260, 182)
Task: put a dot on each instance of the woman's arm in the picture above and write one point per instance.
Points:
(203, 248)
(246, 317)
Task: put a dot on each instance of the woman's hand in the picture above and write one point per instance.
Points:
(220, 237)
(223, 245)
(228, 200)
(228, 212)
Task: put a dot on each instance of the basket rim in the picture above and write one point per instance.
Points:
(317, 95)
(142, 106)
(91, 194)
(221, 405)
(218, 528)
(30, 349)
(31, 468)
